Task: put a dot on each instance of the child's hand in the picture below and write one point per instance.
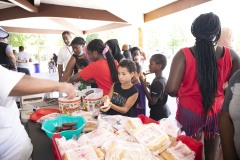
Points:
(105, 108)
(136, 58)
(148, 85)
(143, 80)
(142, 77)
(146, 72)
(107, 104)
(104, 98)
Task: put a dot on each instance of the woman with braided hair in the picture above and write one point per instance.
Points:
(103, 69)
(196, 78)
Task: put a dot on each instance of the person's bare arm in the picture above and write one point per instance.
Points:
(69, 69)
(152, 100)
(235, 62)
(60, 72)
(143, 56)
(176, 74)
(29, 85)
(109, 95)
(227, 134)
(21, 61)
(128, 105)
(12, 58)
(75, 78)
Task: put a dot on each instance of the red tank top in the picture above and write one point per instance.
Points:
(189, 93)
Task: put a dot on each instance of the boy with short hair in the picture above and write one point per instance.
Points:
(157, 97)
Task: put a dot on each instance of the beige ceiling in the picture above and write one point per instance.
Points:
(84, 16)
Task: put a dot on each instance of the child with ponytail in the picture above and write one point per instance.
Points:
(103, 68)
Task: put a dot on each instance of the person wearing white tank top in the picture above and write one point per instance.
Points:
(14, 140)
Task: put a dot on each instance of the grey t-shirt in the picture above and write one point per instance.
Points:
(23, 56)
(231, 104)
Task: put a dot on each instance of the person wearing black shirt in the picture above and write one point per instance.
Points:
(123, 94)
(157, 97)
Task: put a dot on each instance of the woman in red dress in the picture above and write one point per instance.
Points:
(197, 77)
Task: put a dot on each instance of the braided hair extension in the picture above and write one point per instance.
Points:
(98, 46)
(114, 46)
(207, 30)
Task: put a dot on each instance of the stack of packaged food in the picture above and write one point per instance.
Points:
(118, 137)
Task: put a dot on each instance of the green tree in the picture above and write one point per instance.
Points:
(17, 39)
(91, 37)
(21, 39)
(36, 39)
(60, 42)
(155, 39)
(177, 36)
(33, 40)
(111, 34)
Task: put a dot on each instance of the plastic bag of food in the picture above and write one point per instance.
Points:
(171, 126)
(84, 153)
(153, 137)
(47, 117)
(112, 123)
(127, 150)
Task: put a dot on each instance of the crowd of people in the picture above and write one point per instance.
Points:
(204, 78)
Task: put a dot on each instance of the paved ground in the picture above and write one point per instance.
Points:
(44, 74)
